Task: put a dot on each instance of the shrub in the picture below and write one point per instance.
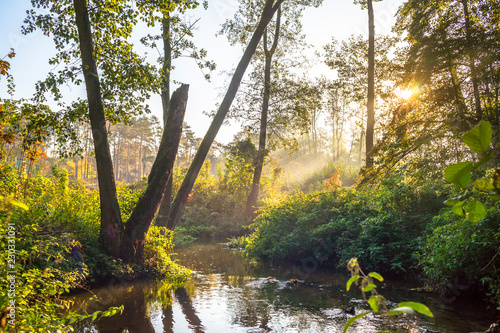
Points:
(383, 226)
(464, 253)
(57, 247)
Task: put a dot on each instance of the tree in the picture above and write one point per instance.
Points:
(337, 101)
(370, 105)
(349, 60)
(457, 40)
(126, 241)
(176, 43)
(110, 46)
(436, 65)
(287, 37)
(267, 12)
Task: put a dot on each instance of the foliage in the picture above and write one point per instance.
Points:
(458, 250)
(239, 243)
(378, 225)
(214, 208)
(464, 254)
(157, 250)
(182, 237)
(4, 70)
(332, 175)
(459, 174)
(42, 267)
(57, 248)
(376, 301)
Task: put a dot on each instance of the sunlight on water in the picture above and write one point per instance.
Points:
(229, 294)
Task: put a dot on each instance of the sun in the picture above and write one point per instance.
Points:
(404, 93)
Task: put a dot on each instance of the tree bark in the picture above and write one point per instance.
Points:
(111, 223)
(166, 203)
(473, 71)
(76, 168)
(370, 105)
(261, 155)
(145, 210)
(195, 167)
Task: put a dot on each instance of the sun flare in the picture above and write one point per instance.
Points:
(405, 93)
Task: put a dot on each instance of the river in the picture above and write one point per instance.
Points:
(230, 294)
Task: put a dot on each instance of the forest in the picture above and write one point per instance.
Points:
(380, 169)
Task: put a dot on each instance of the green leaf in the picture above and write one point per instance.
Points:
(419, 307)
(452, 202)
(401, 309)
(369, 287)
(19, 204)
(458, 208)
(374, 302)
(459, 174)
(376, 276)
(353, 319)
(479, 138)
(475, 211)
(16, 203)
(351, 280)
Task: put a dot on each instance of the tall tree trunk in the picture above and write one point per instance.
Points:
(139, 162)
(314, 133)
(459, 100)
(111, 223)
(341, 131)
(370, 105)
(127, 175)
(166, 203)
(115, 153)
(473, 71)
(76, 168)
(334, 140)
(261, 155)
(145, 210)
(195, 167)
(360, 147)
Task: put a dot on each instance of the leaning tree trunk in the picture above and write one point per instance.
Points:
(145, 210)
(111, 223)
(195, 167)
(166, 203)
(370, 121)
(259, 162)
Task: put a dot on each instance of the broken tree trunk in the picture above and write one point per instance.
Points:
(140, 220)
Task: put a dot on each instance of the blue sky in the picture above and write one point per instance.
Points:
(335, 18)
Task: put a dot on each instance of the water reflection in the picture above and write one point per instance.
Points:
(133, 319)
(188, 310)
(229, 294)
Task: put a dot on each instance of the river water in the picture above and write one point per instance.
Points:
(230, 294)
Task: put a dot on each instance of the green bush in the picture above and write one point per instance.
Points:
(57, 246)
(383, 226)
(464, 253)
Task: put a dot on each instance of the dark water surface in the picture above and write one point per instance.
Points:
(230, 294)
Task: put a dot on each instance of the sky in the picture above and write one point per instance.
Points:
(335, 18)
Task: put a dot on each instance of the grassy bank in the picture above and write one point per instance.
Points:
(55, 225)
